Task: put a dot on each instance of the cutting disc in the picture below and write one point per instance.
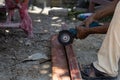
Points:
(65, 37)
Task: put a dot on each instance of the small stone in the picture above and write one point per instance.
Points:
(28, 42)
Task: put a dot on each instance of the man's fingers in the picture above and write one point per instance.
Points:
(82, 23)
(87, 25)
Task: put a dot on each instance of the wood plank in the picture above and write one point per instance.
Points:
(60, 69)
(73, 64)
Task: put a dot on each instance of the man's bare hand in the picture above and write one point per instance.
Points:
(83, 32)
(89, 20)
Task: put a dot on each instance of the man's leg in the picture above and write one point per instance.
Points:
(109, 53)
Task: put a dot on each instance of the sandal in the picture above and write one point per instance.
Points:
(89, 72)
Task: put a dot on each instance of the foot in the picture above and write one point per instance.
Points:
(89, 72)
(82, 32)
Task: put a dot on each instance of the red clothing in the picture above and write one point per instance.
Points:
(26, 20)
(10, 4)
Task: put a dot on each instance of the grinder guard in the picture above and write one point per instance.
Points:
(65, 37)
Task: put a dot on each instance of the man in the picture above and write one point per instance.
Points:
(106, 67)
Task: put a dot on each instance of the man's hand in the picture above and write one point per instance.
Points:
(88, 21)
(82, 32)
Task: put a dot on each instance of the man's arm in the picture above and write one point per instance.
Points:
(84, 32)
(107, 10)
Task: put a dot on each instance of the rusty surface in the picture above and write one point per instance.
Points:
(73, 64)
(60, 70)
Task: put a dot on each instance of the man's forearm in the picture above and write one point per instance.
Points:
(99, 30)
(107, 10)
(83, 32)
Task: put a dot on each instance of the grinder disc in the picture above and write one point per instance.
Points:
(65, 37)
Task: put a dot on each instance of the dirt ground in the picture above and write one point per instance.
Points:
(15, 48)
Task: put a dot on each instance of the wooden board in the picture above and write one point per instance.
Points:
(64, 62)
(73, 64)
(60, 70)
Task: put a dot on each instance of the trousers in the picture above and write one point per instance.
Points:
(109, 53)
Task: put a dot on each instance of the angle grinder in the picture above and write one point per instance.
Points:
(66, 37)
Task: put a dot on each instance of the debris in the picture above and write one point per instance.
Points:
(20, 41)
(58, 12)
(28, 42)
(36, 56)
(44, 61)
